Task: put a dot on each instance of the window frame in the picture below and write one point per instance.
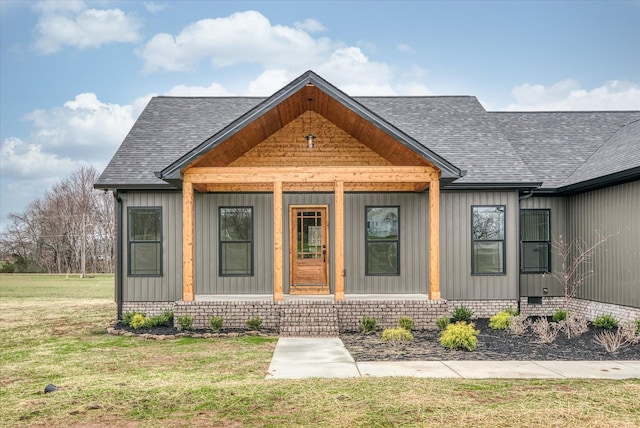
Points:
(250, 241)
(548, 242)
(501, 241)
(367, 241)
(131, 242)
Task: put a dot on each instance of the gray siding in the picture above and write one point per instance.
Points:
(289, 199)
(207, 278)
(610, 211)
(532, 284)
(168, 287)
(456, 281)
(414, 271)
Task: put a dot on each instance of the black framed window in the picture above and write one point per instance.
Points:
(487, 240)
(236, 241)
(535, 240)
(144, 240)
(382, 246)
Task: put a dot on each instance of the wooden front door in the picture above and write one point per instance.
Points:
(309, 250)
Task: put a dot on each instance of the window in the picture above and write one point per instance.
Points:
(236, 241)
(535, 241)
(487, 240)
(145, 241)
(382, 246)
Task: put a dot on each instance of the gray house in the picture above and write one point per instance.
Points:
(311, 208)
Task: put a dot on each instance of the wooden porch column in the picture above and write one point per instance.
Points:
(278, 294)
(339, 240)
(434, 240)
(187, 241)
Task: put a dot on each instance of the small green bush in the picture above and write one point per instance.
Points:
(128, 316)
(185, 322)
(254, 323)
(399, 334)
(460, 335)
(511, 311)
(164, 319)
(215, 323)
(137, 321)
(462, 313)
(638, 324)
(559, 315)
(605, 321)
(406, 323)
(500, 321)
(368, 325)
(443, 322)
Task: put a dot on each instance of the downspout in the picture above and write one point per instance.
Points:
(119, 270)
(527, 196)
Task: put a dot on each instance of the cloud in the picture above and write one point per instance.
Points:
(154, 7)
(244, 37)
(268, 82)
(213, 90)
(71, 23)
(402, 47)
(310, 26)
(569, 95)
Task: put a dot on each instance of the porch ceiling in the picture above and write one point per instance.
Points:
(292, 108)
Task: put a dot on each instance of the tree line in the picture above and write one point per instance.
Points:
(71, 228)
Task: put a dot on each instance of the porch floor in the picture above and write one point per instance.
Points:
(308, 298)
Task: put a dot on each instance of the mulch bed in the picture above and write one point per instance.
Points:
(492, 345)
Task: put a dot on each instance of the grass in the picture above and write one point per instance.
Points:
(52, 330)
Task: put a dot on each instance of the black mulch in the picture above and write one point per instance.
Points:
(492, 345)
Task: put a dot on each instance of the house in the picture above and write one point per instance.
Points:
(311, 208)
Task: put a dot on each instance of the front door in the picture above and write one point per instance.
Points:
(309, 250)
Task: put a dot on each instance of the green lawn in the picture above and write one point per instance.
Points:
(52, 330)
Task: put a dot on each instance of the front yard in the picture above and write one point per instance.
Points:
(53, 330)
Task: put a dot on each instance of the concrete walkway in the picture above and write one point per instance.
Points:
(297, 358)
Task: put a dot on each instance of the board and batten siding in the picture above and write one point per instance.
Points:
(532, 284)
(456, 281)
(413, 237)
(611, 211)
(168, 286)
(206, 276)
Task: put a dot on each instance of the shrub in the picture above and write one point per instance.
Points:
(164, 319)
(406, 323)
(500, 321)
(605, 321)
(128, 316)
(254, 323)
(511, 311)
(546, 331)
(215, 323)
(368, 325)
(574, 326)
(462, 313)
(185, 322)
(519, 325)
(559, 315)
(137, 321)
(395, 335)
(612, 342)
(460, 335)
(443, 322)
(638, 325)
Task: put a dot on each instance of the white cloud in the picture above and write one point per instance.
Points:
(73, 24)
(310, 26)
(213, 90)
(244, 37)
(154, 7)
(569, 95)
(24, 160)
(268, 82)
(413, 89)
(403, 47)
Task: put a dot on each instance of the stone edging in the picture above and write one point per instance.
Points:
(119, 332)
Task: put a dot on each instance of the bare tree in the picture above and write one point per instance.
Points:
(575, 259)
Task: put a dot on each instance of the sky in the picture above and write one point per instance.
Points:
(75, 75)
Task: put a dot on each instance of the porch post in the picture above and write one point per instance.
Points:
(434, 240)
(187, 241)
(339, 240)
(278, 294)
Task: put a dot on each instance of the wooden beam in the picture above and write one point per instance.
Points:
(310, 187)
(339, 240)
(434, 240)
(187, 242)
(368, 174)
(278, 294)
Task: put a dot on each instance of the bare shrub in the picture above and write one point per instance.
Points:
(574, 326)
(629, 332)
(610, 341)
(520, 325)
(546, 331)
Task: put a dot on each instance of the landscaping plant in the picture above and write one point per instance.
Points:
(605, 321)
(368, 325)
(500, 321)
(559, 315)
(254, 323)
(519, 325)
(546, 331)
(460, 335)
(462, 313)
(395, 335)
(443, 322)
(185, 322)
(215, 323)
(406, 323)
(137, 321)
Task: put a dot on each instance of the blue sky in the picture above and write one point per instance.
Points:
(74, 75)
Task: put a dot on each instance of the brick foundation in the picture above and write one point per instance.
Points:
(483, 308)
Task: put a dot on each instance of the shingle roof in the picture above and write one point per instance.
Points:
(555, 145)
